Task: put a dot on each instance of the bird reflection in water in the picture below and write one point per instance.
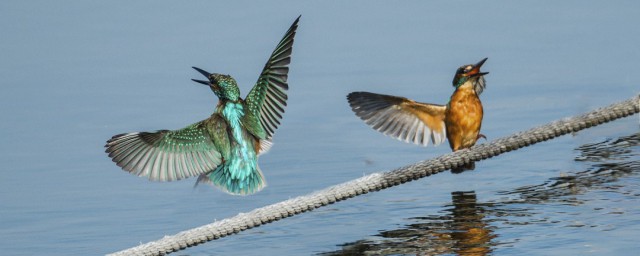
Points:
(470, 233)
(462, 230)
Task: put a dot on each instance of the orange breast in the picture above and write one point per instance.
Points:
(463, 118)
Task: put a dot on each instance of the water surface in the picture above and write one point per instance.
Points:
(72, 74)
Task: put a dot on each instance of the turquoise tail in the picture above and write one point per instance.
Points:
(232, 183)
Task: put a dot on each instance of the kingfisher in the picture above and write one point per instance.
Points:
(222, 149)
(421, 123)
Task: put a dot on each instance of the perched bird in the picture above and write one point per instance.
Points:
(419, 123)
(222, 149)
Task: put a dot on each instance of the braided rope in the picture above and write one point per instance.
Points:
(378, 181)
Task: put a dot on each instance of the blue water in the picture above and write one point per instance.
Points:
(72, 74)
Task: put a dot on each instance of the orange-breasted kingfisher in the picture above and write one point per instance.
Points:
(419, 123)
(223, 149)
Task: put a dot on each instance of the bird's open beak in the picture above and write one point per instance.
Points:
(204, 73)
(476, 69)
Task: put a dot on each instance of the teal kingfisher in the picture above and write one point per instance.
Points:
(223, 149)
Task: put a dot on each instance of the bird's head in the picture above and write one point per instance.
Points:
(224, 86)
(471, 73)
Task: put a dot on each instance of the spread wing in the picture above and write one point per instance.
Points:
(165, 155)
(268, 98)
(401, 118)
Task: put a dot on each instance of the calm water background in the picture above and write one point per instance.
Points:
(72, 74)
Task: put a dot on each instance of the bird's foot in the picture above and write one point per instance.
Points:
(466, 167)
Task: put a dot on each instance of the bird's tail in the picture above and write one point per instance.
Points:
(223, 178)
(466, 167)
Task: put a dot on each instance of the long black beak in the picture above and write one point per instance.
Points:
(479, 64)
(201, 81)
(204, 73)
(476, 68)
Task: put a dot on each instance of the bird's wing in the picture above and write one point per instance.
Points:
(166, 155)
(268, 98)
(401, 118)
